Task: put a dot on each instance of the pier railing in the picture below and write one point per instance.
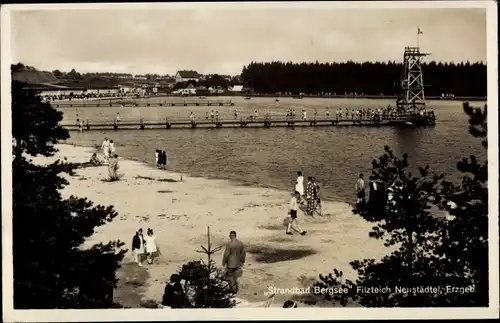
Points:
(253, 120)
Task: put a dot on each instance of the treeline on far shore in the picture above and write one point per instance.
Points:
(373, 79)
(359, 96)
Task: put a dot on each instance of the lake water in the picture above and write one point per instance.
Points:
(272, 157)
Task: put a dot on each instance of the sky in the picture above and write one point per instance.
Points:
(222, 40)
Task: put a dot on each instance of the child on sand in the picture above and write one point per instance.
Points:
(299, 186)
(138, 247)
(94, 160)
(293, 223)
(151, 247)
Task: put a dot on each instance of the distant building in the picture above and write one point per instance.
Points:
(185, 76)
(236, 88)
(190, 90)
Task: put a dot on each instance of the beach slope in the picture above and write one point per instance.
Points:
(179, 212)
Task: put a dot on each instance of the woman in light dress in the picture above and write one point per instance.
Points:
(151, 247)
(299, 186)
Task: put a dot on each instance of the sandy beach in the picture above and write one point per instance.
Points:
(180, 211)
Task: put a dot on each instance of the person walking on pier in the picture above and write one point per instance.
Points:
(117, 117)
(206, 117)
(299, 186)
(304, 115)
(294, 223)
(310, 196)
(212, 115)
(191, 117)
(293, 113)
(233, 260)
(360, 189)
(235, 114)
(327, 113)
(256, 114)
(217, 115)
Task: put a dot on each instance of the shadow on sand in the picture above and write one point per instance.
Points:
(265, 254)
(131, 285)
(169, 180)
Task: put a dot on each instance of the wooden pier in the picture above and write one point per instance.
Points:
(264, 122)
(129, 103)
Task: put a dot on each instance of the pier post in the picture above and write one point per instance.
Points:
(141, 122)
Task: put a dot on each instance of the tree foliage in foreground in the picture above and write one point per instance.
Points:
(204, 284)
(51, 269)
(427, 249)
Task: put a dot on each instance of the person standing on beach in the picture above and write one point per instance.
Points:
(317, 198)
(293, 223)
(310, 195)
(151, 247)
(157, 158)
(113, 167)
(233, 260)
(165, 159)
(360, 190)
(138, 247)
(112, 149)
(105, 148)
(299, 186)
